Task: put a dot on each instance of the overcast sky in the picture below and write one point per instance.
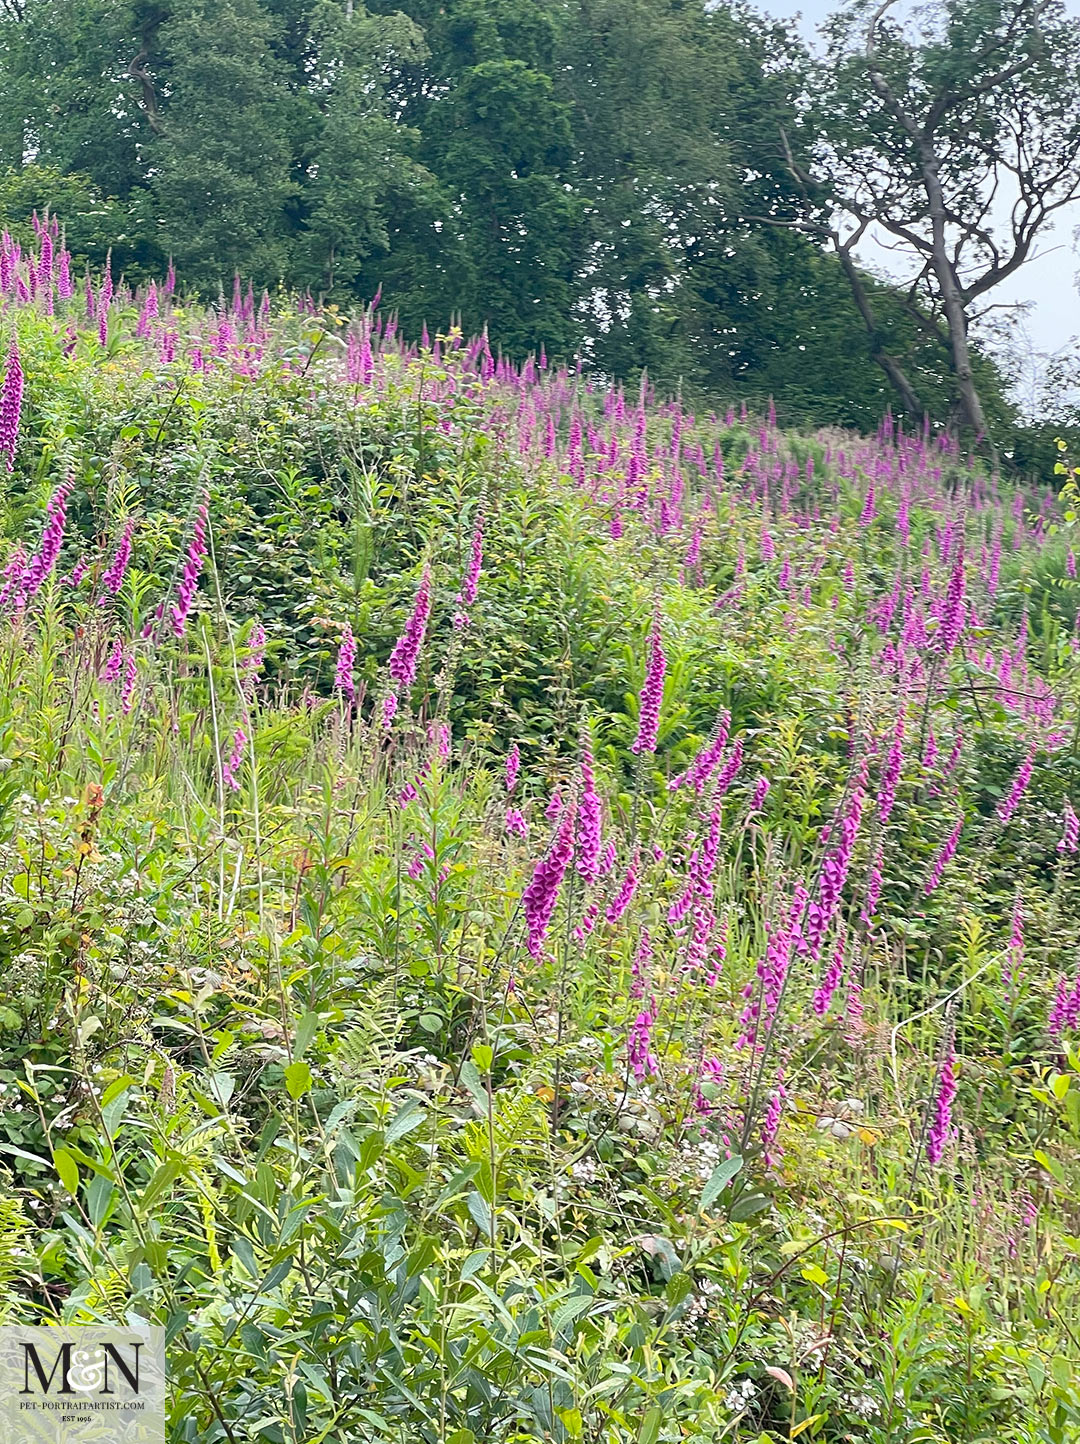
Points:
(1048, 282)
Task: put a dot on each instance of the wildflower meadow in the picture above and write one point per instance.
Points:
(527, 913)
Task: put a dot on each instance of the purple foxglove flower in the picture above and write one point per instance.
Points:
(52, 538)
(652, 693)
(834, 871)
(114, 664)
(1071, 836)
(587, 923)
(941, 1128)
(343, 676)
(189, 579)
(589, 838)
(1019, 786)
(470, 586)
(513, 766)
(625, 895)
(707, 759)
(639, 1045)
(113, 579)
(771, 1155)
(639, 967)
(730, 769)
(406, 654)
(127, 695)
(230, 765)
(833, 976)
(944, 857)
(891, 776)
(953, 613)
(515, 822)
(540, 897)
(11, 407)
(761, 791)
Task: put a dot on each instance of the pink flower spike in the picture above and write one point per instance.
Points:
(652, 693)
(1071, 835)
(343, 675)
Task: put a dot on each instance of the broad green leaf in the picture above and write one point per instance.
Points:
(408, 1117)
(297, 1079)
(67, 1170)
(719, 1179)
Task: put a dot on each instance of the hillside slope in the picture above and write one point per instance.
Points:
(526, 913)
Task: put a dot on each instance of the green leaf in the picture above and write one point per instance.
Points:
(721, 1176)
(297, 1079)
(650, 1425)
(306, 1029)
(242, 1249)
(67, 1170)
(408, 1117)
(572, 1309)
(480, 1213)
(163, 1178)
(470, 1077)
(747, 1205)
(1051, 1165)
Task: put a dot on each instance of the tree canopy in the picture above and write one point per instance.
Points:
(633, 182)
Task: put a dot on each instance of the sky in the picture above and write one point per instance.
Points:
(1047, 283)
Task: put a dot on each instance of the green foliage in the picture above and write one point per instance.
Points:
(598, 179)
(278, 1071)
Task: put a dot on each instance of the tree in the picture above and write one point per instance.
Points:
(362, 158)
(220, 174)
(960, 142)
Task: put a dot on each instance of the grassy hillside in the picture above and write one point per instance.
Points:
(527, 914)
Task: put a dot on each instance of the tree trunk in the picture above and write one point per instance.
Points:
(889, 364)
(951, 299)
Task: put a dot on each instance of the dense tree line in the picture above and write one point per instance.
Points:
(606, 178)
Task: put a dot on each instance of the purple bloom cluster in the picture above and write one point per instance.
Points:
(513, 766)
(944, 857)
(11, 395)
(941, 1128)
(652, 692)
(639, 1045)
(189, 580)
(406, 654)
(471, 584)
(834, 871)
(1070, 837)
(1019, 787)
(539, 898)
(113, 579)
(628, 887)
(890, 778)
(823, 995)
(231, 764)
(589, 839)
(705, 763)
(953, 613)
(346, 658)
(772, 970)
(52, 539)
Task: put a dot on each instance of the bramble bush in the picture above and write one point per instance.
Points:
(526, 913)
